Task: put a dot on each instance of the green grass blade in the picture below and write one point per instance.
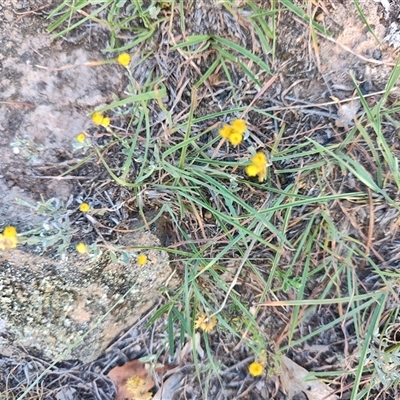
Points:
(234, 46)
(300, 13)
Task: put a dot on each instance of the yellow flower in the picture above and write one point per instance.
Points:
(239, 126)
(81, 138)
(137, 387)
(97, 118)
(225, 131)
(235, 138)
(255, 368)
(259, 159)
(207, 324)
(258, 166)
(124, 59)
(106, 122)
(9, 231)
(8, 239)
(252, 170)
(84, 207)
(142, 259)
(234, 132)
(81, 248)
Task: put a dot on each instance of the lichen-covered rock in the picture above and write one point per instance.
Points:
(79, 303)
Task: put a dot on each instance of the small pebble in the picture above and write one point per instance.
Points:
(365, 88)
(377, 55)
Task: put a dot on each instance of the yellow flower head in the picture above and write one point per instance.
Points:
(239, 126)
(97, 118)
(258, 166)
(124, 59)
(235, 138)
(81, 248)
(225, 131)
(207, 324)
(234, 132)
(142, 259)
(252, 170)
(259, 159)
(136, 386)
(81, 138)
(84, 207)
(255, 369)
(106, 122)
(9, 231)
(8, 239)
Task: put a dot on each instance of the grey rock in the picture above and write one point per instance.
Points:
(78, 304)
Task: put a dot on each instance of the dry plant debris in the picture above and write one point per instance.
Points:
(294, 381)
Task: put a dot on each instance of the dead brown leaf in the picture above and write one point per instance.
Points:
(293, 382)
(119, 375)
(347, 112)
(169, 387)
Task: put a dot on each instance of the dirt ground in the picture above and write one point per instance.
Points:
(43, 106)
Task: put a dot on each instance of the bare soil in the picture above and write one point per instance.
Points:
(44, 107)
